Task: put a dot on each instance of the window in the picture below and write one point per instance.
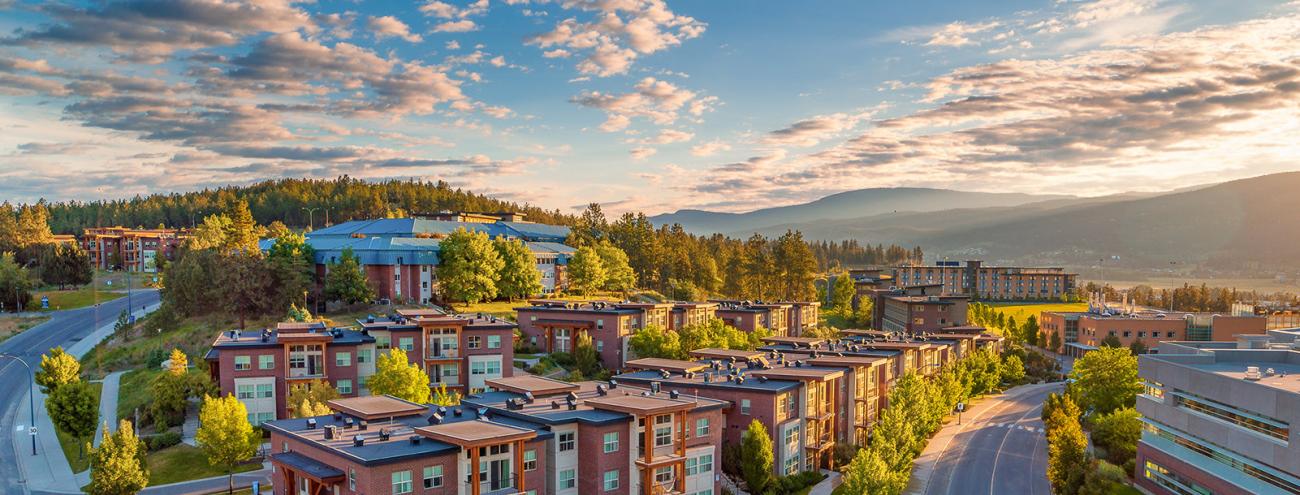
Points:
(363, 356)
(600, 324)
(600, 346)
(663, 475)
(402, 482)
(611, 442)
(611, 480)
(567, 479)
(699, 465)
(702, 427)
(406, 343)
(383, 342)
(266, 361)
(494, 341)
(343, 359)
(244, 391)
(1169, 334)
(663, 430)
(352, 479)
(1250, 422)
(243, 363)
(706, 463)
(744, 406)
(432, 476)
(474, 342)
(485, 368)
(265, 390)
(530, 460)
(692, 466)
(344, 386)
(566, 441)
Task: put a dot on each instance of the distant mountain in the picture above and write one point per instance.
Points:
(1235, 224)
(846, 205)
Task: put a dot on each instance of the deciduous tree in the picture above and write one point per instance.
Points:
(869, 474)
(1067, 457)
(756, 457)
(654, 341)
(346, 282)
(468, 266)
(842, 293)
(73, 409)
(15, 283)
(57, 368)
(1106, 379)
(619, 276)
(586, 271)
(117, 466)
(225, 435)
(396, 376)
(309, 399)
(518, 277)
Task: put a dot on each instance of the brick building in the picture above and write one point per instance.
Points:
(258, 367)
(137, 250)
(1082, 331)
(554, 326)
(990, 282)
(918, 309)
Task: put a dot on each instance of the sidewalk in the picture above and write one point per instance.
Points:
(215, 483)
(827, 485)
(49, 471)
(108, 405)
(924, 464)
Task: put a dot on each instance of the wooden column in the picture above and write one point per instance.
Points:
(473, 471)
(680, 467)
(519, 466)
(647, 472)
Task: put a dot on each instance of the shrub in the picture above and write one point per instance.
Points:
(162, 440)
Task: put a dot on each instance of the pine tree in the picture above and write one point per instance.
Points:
(241, 234)
(246, 285)
(346, 282)
(584, 355)
(117, 465)
(396, 376)
(519, 277)
(293, 268)
(469, 266)
(224, 434)
(756, 457)
(586, 271)
(842, 293)
(33, 226)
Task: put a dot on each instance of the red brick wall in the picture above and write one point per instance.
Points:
(334, 373)
(381, 279)
(594, 462)
(1226, 328)
(1093, 330)
(615, 328)
(227, 373)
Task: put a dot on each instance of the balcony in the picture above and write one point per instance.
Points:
(436, 353)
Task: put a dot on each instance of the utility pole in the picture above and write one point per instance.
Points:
(32, 404)
(311, 224)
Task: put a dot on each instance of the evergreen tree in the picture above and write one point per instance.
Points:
(8, 229)
(246, 285)
(241, 234)
(293, 268)
(756, 457)
(396, 376)
(15, 284)
(64, 265)
(869, 474)
(211, 234)
(1030, 331)
(225, 435)
(33, 226)
(518, 277)
(1138, 347)
(1054, 342)
(619, 276)
(117, 466)
(169, 393)
(469, 266)
(584, 355)
(586, 271)
(590, 228)
(73, 409)
(58, 368)
(842, 293)
(345, 281)
(1067, 457)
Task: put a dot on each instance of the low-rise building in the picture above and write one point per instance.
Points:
(136, 250)
(919, 309)
(1218, 417)
(554, 326)
(1081, 331)
(990, 282)
(750, 316)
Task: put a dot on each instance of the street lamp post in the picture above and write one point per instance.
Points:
(311, 224)
(32, 396)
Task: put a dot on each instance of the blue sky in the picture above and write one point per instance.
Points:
(645, 105)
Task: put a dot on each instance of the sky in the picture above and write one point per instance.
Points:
(646, 105)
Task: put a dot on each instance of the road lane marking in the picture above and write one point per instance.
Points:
(993, 475)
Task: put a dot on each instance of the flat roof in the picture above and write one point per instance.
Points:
(716, 353)
(1232, 363)
(371, 407)
(804, 341)
(805, 373)
(475, 433)
(676, 365)
(639, 404)
(555, 410)
(848, 361)
(533, 384)
(716, 380)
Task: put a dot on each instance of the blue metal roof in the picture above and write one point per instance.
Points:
(409, 227)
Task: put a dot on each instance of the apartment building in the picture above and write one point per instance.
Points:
(400, 255)
(990, 282)
(749, 316)
(1082, 331)
(554, 326)
(461, 351)
(1217, 417)
(866, 280)
(918, 309)
(691, 313)
(137, 250)
(804, 316)
(258, 367)
(532, 435)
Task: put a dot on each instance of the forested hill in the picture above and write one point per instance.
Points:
(284, 200)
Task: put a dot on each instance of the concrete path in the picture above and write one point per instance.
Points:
(108, 405)
(827, 485)
(190, 428)
(995, 449)
(215, 484)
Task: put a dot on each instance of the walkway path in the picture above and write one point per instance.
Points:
(108, 405)
(827, 485)
(215, 483)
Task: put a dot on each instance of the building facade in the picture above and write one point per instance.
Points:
(137, 250)
(918, 309)
(990, 282)
(1085, 330)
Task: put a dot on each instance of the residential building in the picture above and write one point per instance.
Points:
(918, 309)
(554, 326)
(462, 352)
(400, 255)
(804, 316)
(691, 313)
(866, 280)
(532, 435)
(990, 282)
(136, 250)
(750, 316)
(1217, 417)
(1082, 331)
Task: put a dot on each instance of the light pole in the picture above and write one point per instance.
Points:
(311, 224)
(32, 396)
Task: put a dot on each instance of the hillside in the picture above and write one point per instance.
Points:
(845, 205)
(1231, 225)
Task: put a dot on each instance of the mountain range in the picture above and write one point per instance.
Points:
(1234, 224)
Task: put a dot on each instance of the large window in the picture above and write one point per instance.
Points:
(744, 406)
(406, 343)
(243, 363)
(1216, 453)
(265, 390)
(611, 442)
(663, 430)
(266, 361)
(1218, 410)
(611, 480)
(344, 386)
(568, 479)
(432, 476)
(699, 465)
(702, 427)
(567, 442)
(402, 482)
(1172, 481)
(494, 341)
(244, 391)
(343, 359)
(530, 460)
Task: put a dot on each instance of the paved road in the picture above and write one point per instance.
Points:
(1001, 450)
(64, 329)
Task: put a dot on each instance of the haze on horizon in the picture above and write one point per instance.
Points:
(646, 105)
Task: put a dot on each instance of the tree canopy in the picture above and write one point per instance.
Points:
(345, 281)
(757, 456)
(518, 277)
(468, 266)
(586, 271)
(117, 465)
(396, 376)
(57, 368)
(225, 435)
(1106, 379)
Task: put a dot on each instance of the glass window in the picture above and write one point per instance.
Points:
(530, 460)
(243, 363)
(494, 341)
(744, 406)
(611, 480)
(702, 427)
(706, 463)
(474, 342)
(432, 476)
(363, 356)
(266, 361)
(352, 479)
(244, 391)
(265, 390)
(568, 479)
(567, 442)
(344, 386)
(343, 359)
(383, 342)
(663, 430)
(406, 343)
(611, 442)
(402, 482)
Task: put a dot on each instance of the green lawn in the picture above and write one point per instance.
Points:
(1022, 310)
(193, 335)
(183, 463)
(1125, 490)
(79, 459)
(75, 298)
(134, 391)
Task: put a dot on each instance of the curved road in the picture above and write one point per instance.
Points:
(64, 328)
(1001, 450)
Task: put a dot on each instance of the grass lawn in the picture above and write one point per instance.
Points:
(134, 392)
(183, 463)
(14, 325)
(80, 462)
(193, 335)
(1022, 310)
(1125, 490)
(75, 298)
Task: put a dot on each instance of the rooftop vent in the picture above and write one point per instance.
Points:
(555, 404)
(654, 387)
(266, 338)
(329, 432)
(414, 439)
(435, 418)
(673, 394)
(457, 412)
(358, 441)
(384, 434)
(362, 424)
(528, 397)
(665, 374)
(762, 379)
(1252, 373)
(347, 422)
(311, 423)
(708, 378)
(613, 384)
(601, 391)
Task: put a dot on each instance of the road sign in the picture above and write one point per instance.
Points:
(45, 302)
(32, 431)
(961, 406)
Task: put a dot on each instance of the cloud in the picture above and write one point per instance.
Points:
(461, 26)
(445, 10)
(617, 34)
(642, 152)
(660, 102)
(1090, 13)
(389, 26)
(957, 34)
(710, 148)
(812, 131)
